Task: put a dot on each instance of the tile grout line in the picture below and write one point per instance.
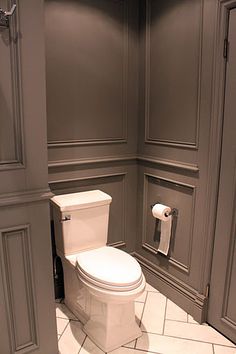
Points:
(232, 345)
(181, 321)
(143, 350)
(164, 321)
(213, 349)
(64, 330)
(69, 319)
(191, 339)
(141, 317)
(82, 343)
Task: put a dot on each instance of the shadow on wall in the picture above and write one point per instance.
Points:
(102, 8)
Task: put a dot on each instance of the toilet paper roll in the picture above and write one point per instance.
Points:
(161, 211)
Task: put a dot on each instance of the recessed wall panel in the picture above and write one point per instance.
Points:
(173, 64)
(178, 196)
(86, 57)
(16, 264)
(10, 101)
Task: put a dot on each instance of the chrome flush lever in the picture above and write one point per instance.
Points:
(66, 218)
(4, 16)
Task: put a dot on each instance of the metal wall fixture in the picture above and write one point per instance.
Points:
(5, 15)
(173, 212)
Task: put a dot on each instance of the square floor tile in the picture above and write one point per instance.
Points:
(62, 311)
(174, 312)
(90, 348)
(72, 338)
(138, 311)
(61, 325)
(154, 313)
(124, 350)
(195, 332)
(142, 297)
(192, 320)
(151, 288)
(169, 345)
(218, 349)
(130, 344)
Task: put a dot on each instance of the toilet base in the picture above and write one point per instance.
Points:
(111, 325)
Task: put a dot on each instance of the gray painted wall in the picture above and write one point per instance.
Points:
(92, 104)
(176, 82)
(129, 104)
(26, 284)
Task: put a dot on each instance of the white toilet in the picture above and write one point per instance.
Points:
(101, 282)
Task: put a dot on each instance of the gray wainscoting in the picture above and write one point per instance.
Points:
(92, 78)
(26, 284)
(92, 104)
(119, 181)
(176, 81)
(130, 112)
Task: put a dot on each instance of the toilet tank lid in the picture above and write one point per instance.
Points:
(81, 200)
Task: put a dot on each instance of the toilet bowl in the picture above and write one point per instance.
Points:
(101, 282)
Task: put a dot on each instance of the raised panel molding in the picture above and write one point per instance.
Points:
(184, 188)
(16, 264)
(113, 159)
(25, 197)
(157, 140)
(124, 137)
(168, 163)
(15, 80)
(78, 184)
(91, 161)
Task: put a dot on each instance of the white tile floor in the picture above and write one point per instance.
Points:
(167, 329)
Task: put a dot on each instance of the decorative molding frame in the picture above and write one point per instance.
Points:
(132, 158)
(121, 243)
(168, 163)
(14, 35)
(124, 138)
(182, 267)
(31, 196)
(16, 241)
(171, 143)
(91, 161)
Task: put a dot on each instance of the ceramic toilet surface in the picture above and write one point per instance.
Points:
(110, 266)
(81, 200)
(105, 286)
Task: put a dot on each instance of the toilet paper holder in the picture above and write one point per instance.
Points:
(173, 212)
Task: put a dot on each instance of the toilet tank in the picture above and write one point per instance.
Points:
(80, 221)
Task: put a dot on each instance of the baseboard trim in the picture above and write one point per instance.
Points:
(183, 295)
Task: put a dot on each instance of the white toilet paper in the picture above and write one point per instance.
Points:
(161, 212)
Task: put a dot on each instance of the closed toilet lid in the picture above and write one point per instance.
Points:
(111, 266)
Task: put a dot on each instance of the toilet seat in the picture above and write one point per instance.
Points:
(109, 268)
